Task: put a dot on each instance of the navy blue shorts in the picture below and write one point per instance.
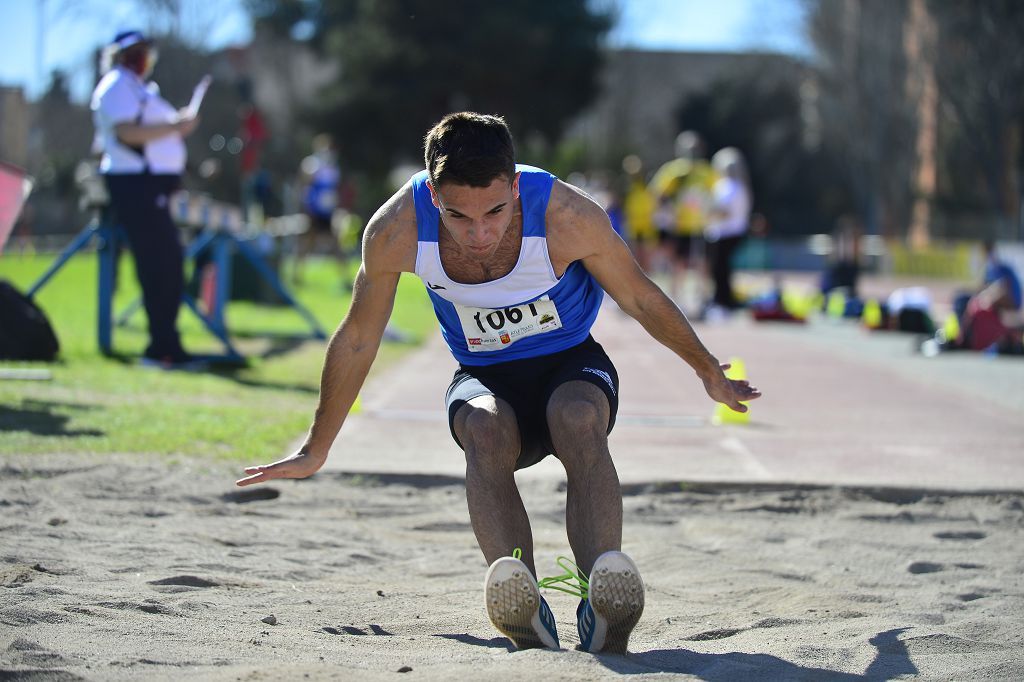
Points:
(527, 385)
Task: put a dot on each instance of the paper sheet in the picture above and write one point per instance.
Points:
(198, 94)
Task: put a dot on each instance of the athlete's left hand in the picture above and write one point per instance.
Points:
(730, 391)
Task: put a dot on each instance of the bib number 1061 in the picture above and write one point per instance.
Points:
(493, 328)
(496, 319)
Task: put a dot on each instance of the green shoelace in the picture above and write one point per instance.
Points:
(571, 580)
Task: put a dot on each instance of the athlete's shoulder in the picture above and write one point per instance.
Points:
(390, 237)
(575, 224)
(569, 207)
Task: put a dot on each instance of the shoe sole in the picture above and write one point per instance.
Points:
(616, 595)
(513, 604)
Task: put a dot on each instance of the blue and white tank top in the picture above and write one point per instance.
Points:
(528, 312)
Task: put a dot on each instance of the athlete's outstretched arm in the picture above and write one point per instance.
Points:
(585, 233)
(354, 344)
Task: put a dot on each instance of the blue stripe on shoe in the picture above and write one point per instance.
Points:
(585, 622)
(547, 619)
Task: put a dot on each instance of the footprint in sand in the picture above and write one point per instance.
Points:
(185, 581)
(26, 652)
(251, 495)
(350, 630)
(971, 596)
(919, 567)
(713, 634)
(961, 535)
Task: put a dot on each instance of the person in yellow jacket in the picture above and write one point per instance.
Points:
(683, 189)
(638, 207)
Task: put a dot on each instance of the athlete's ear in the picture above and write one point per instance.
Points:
(433, 195)
(515, 186)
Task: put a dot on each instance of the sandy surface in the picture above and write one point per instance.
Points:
(117, 568)
(126, 567)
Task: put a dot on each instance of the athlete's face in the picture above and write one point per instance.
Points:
(477, 217)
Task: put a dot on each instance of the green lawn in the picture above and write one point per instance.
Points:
(98, 404)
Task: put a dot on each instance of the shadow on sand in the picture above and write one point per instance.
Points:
(492, 643)
(891, 660)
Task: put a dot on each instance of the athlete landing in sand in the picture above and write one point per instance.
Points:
(516, 263)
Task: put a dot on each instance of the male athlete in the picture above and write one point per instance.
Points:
(516, 263)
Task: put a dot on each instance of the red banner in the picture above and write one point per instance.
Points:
(15, 185)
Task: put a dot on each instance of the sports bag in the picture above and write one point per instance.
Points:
(25, 333)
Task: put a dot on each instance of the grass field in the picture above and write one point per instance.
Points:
(99, 404)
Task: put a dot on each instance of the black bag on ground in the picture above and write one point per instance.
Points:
(915, 320)
(25, 333)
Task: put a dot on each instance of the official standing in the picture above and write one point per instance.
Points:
(728, 224)
(142, 139)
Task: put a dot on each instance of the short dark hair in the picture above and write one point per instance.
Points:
(471, 149)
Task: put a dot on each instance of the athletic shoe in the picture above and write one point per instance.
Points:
(515, 606)
(614, 602)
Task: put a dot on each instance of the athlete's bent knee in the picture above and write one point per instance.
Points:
(487, 430)
(579, 412)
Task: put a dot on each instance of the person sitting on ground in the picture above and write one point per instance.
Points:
(516, 263)
(991, 318)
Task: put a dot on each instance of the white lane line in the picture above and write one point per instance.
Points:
(749, 460)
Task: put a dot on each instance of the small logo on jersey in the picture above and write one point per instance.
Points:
(475, 342)
(435, 286)
(505, 338)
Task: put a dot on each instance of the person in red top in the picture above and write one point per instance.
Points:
(254, 135)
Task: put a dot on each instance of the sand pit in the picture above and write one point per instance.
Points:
(118, 568)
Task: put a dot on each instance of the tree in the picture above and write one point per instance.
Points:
(934, 83)
(62, 135)
(406, 63)
(980, 69)
(868, 122)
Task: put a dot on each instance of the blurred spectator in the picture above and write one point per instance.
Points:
(991, 318)
(638, 210)
(683, 190)
(729, 220)
(843, 269)
(321, 178)
(141, 137)
(255, 180)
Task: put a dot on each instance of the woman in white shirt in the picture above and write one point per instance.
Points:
(727, 227)
(142, 139)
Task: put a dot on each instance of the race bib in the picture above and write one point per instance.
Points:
(488, 329)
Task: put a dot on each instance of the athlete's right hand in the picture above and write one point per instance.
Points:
(299, 465)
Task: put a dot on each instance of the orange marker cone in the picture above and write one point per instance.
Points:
(723, 413)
